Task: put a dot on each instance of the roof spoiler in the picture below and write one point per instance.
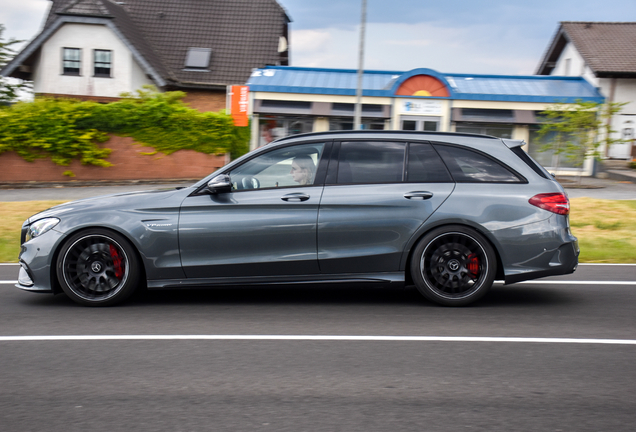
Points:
(513, 143)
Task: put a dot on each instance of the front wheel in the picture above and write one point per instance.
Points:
(97, 267)
(453, 266)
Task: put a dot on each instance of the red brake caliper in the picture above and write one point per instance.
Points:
(119, 271)
(473, 265)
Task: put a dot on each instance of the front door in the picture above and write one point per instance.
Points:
(265, 226)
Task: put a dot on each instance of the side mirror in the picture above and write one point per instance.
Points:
(220, 184)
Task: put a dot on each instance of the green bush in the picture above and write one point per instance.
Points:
(66, 129)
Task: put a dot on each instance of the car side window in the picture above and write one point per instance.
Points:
(370, 162)
(425, 166)
(467, 166)
(284, 167)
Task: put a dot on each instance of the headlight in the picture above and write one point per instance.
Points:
(38, 228)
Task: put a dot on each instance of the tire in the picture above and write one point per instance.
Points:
(97, 267)
(453, 266)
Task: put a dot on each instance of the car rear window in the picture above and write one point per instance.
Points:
(467, 166)
(425, 166)
(364, 162)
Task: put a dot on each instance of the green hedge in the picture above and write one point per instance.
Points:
(66, 129)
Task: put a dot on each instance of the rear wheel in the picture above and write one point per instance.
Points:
(453, 266)
(97, 267)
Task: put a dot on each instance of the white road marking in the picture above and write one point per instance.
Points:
(319, 338)
(566, 282)
(538, 282)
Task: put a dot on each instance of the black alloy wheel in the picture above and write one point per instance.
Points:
(97, 268)
(453, 266)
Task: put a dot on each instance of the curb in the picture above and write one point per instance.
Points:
(621, 175)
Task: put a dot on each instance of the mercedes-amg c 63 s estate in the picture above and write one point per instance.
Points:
(448, 213)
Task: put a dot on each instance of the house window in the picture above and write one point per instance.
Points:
(198, 59)
(102, 62)
(71, 59)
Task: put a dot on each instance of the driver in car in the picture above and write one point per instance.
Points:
(303, 170)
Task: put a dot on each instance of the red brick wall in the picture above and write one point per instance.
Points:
(128, 164)
(205, 100)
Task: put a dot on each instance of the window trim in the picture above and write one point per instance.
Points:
(79, 62)
(95, 62)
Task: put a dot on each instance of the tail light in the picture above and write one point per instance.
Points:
(554, 202)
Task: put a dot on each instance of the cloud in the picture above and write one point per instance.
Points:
(478, 49)
(23, 19)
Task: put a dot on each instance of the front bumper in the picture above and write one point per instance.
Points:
(36, 261)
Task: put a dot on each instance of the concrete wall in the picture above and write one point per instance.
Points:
(126, 75)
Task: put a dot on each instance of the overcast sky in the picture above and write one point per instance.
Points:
(452, 36)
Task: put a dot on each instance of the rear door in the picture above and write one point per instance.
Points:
(377, 194)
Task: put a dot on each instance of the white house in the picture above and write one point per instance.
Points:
(97, 49)
(604, 53)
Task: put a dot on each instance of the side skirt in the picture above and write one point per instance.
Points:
(392, 279)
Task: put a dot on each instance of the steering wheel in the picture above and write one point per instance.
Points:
(250, 183)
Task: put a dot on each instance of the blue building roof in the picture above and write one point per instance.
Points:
(510, 88)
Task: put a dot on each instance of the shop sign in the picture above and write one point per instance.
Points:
(422, 107)
(239, 105)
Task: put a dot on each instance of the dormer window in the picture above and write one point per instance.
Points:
(71, 61)
(198, 59)
(102, 61)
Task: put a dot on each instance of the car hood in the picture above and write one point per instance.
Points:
(115, 201)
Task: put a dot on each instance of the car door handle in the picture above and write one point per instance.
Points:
(423, 195)
(295, 197)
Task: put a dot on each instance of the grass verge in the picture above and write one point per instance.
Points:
(12, 215)
(605, 228)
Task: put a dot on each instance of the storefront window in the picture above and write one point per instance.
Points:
(496, 130)
(273, 127)
(346, 123)
(548, 156)
(419, 123)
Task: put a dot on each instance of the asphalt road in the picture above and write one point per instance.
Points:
(570, 366)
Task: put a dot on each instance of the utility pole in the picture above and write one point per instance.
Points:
(357, 118)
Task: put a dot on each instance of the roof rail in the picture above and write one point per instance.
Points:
(382, 132)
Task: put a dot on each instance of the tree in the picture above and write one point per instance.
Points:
(9, 88)
(578, 130)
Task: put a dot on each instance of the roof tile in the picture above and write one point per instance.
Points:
(607, 47)
(242, 34)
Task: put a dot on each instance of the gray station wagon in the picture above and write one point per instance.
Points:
(448, 213)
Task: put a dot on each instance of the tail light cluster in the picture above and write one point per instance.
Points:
(554, 202)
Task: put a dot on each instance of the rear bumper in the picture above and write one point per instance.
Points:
(564, 261)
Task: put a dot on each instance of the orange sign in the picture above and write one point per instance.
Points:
(239, 105)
